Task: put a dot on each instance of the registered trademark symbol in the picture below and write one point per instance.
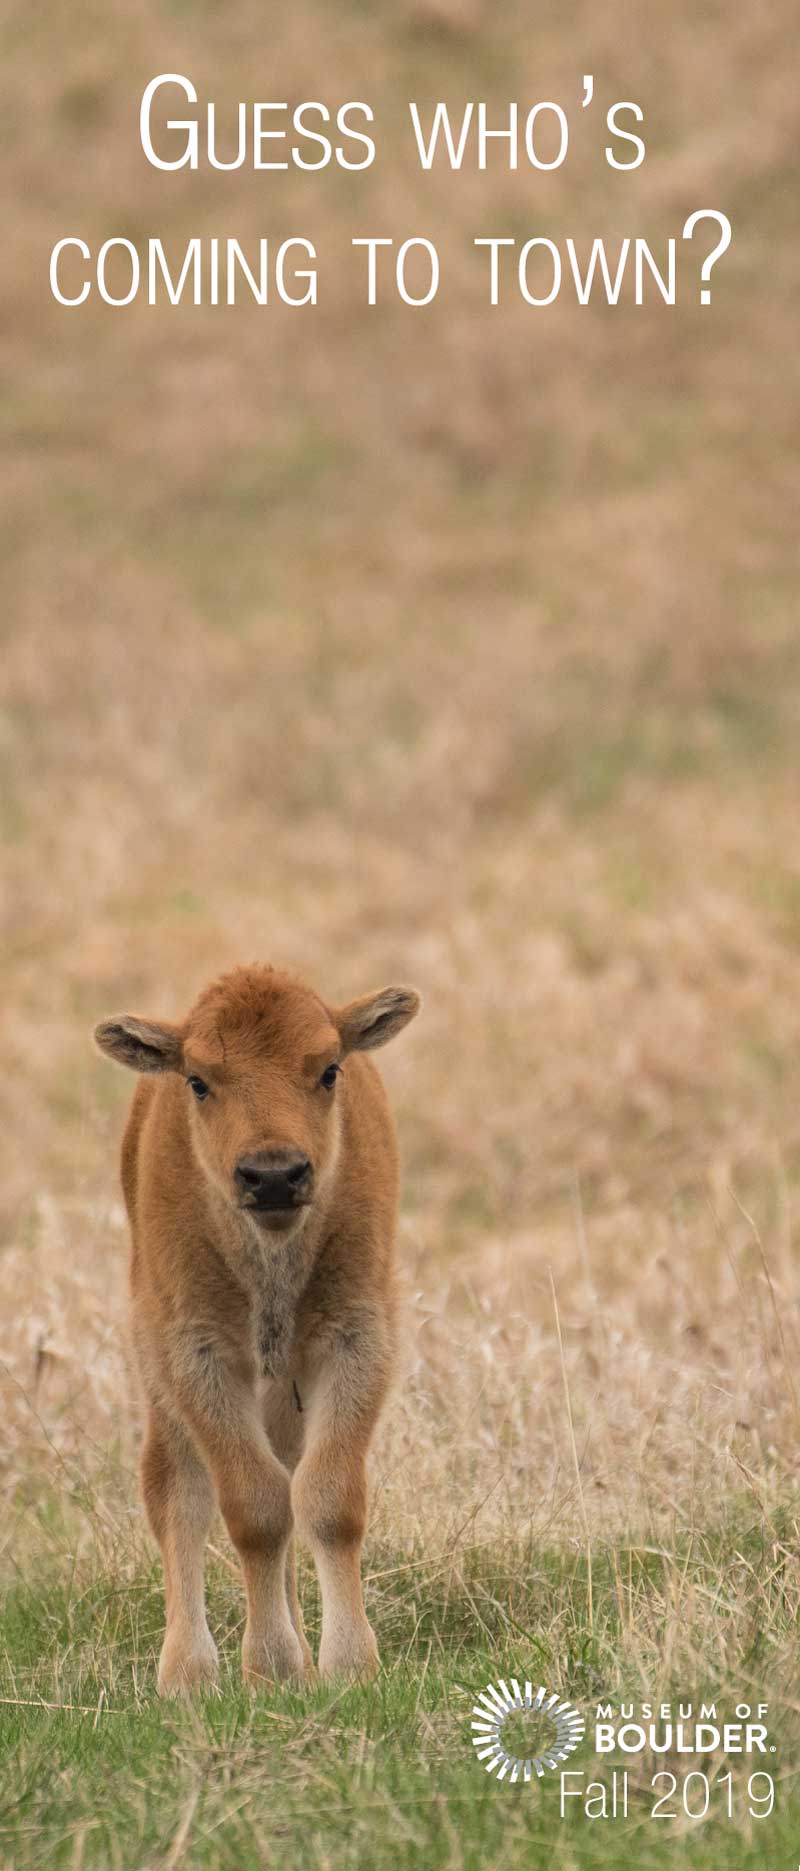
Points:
(773, 1750)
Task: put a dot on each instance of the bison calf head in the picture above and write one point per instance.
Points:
(261, 1054)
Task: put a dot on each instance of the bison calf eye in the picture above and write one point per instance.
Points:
(329, 1076)
(199, 1087)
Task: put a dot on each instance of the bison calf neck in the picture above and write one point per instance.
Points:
(260, 1176)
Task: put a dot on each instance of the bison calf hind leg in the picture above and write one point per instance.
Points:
(284, 1425)
(179, 1498)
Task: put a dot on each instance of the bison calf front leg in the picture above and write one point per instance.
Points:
(253, 1489)
(330, 1498)
(255, 1500)
(329, 1495)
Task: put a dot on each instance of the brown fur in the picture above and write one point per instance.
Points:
(265, 1341)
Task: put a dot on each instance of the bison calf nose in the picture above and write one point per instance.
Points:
(271, 1182)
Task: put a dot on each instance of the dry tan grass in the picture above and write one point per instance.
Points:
(439, 645)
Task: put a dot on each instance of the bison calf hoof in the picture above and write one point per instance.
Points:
(186, 1664)
(351, 1654)
(273, 1660)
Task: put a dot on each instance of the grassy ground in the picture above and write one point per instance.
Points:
(104, 1774)
(443, 646)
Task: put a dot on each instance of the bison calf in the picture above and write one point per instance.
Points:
(260, 1176)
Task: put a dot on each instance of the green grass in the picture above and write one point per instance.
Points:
(382, 1774)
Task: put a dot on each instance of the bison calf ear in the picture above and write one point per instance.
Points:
(141, 1044)
(376, 1017)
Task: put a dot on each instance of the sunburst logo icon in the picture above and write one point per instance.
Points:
(563, 1728)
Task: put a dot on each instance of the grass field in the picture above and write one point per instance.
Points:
(450, 646)
(104, 1773)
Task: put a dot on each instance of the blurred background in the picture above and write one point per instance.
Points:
(452, 645)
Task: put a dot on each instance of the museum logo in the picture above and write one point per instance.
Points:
(562, 1726)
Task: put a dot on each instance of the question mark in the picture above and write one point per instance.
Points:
(709, 214)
